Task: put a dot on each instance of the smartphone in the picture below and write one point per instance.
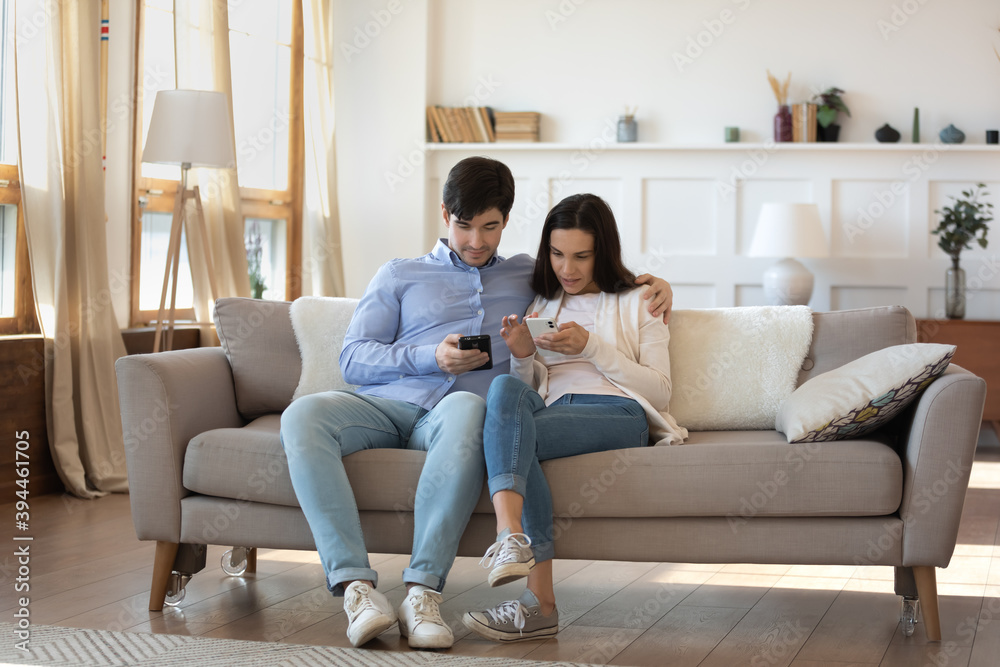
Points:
(478, 343)
(542, 325)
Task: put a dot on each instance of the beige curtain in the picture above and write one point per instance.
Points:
(62, 192)
(201, 59)
(322, 268)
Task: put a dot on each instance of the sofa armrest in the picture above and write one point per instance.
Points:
(939, 445)
(167, 399)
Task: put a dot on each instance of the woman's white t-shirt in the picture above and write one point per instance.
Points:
(572, 374)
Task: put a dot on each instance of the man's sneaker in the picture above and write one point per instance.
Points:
(420, 620)
(510, 557)
(514, 620)
(369, 614)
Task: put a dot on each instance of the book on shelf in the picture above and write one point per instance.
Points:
(517, 125)
(459, 124)
(804, 122)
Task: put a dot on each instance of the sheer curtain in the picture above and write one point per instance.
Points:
(57, 67)
(322, 268)
(201, 60)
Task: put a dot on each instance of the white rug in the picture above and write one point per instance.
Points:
(54, 645)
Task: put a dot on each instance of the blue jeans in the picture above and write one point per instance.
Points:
(520, 432)
(318, 430)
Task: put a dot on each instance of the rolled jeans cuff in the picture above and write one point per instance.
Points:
(543, 552)
(508, 482)
(335, 580)
(411, 576)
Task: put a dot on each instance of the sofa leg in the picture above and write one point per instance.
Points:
(252, 561)
(926, 579)
(163, 565)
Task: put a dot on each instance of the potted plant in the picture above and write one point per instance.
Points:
(830, 104)
(961, 223)
(255, 250)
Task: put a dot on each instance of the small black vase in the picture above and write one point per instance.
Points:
(829, 133)
(886, 134)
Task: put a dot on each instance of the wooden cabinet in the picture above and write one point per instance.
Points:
(978, 350)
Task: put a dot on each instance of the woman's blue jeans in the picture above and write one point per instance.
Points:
(520, 432)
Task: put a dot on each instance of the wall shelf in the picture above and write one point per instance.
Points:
(638, 146)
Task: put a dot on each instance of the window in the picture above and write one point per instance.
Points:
(262, 42)
(17, 306)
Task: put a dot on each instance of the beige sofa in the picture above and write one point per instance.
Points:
(206, 466)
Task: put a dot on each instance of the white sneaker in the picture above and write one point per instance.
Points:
(369, 613)
(510, 558)
(420, 620)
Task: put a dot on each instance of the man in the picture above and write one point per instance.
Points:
(416, 392)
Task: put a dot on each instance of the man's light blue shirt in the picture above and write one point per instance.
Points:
(411, 305)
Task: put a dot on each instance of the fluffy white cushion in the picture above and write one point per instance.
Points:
(862, 395)
(320, 323)
(731, 368)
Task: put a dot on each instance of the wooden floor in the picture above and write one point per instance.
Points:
(89, 571)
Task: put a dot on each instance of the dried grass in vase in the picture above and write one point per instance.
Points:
(780, 89)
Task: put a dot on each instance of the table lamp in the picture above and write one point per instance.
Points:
(788, 231)
(189, 128)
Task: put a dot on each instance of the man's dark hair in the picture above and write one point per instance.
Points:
(591, 214)
(477, 184)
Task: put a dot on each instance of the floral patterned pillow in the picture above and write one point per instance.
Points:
(863, 395)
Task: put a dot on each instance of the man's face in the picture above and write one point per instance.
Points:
(475, 240)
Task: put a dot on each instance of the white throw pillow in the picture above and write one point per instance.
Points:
(732, 367)
(862, 395)
(320, 323)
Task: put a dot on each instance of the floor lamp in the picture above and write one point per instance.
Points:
(190, 128)
(788, 231)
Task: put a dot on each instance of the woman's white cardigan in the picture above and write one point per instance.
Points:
(630, 348)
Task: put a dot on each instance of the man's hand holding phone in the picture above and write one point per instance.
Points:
(451, 359)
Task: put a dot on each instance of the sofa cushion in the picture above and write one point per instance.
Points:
(320, 323)
(841, 336)
(734, 474)
(260, 345)
(863, 395)
(732, 367)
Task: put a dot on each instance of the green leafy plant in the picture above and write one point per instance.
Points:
(964, 221)
(830, 104)
(255, 250)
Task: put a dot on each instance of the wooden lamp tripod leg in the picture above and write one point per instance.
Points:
(173, 257)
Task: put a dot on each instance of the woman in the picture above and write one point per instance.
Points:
(606, 388)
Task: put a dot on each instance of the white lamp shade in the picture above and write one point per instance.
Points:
(789, 230)
(190, 126)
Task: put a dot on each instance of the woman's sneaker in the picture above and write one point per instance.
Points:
(514, 620)
(510, 557)
(369, 613)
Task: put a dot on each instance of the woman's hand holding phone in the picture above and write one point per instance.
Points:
(570, 339)
(517, 337)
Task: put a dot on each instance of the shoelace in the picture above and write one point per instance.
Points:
(512, 610)
(359, 600)
(425, 608)
(504, 551)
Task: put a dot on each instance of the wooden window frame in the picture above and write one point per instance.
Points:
(24, 320)
(151, 194)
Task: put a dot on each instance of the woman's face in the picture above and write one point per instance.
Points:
(571, 252)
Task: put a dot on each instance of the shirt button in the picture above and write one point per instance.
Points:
(400, 377)
(451, 379)
(480, 311)
(480, 290)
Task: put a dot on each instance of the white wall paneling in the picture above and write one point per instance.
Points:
(580, 63)
(687, 213)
